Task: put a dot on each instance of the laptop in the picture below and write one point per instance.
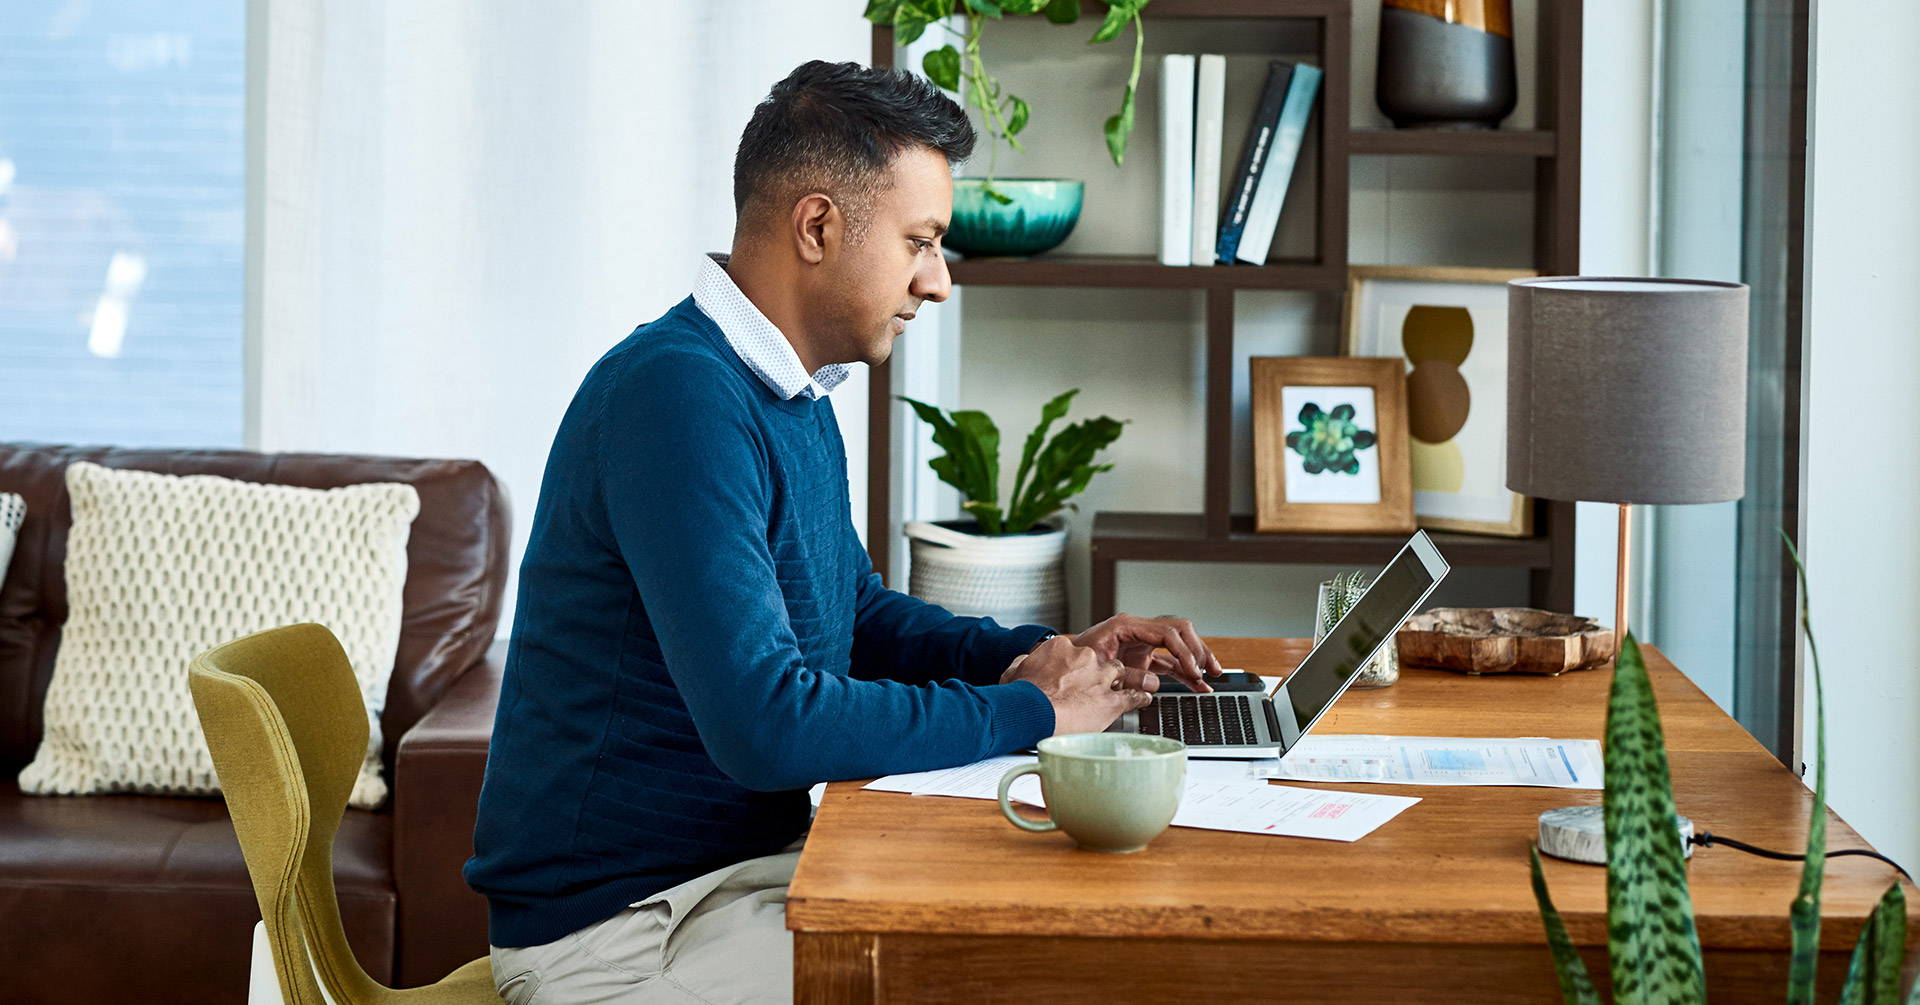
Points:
(1252, 725)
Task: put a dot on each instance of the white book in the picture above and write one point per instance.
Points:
(1209, 136)
(1263, 217)
(1176, 159)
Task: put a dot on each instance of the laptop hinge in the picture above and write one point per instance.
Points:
(1273, 722)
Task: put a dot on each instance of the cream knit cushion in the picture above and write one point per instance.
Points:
(13, 509)
(160, 568)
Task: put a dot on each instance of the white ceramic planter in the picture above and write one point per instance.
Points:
(1016, 580)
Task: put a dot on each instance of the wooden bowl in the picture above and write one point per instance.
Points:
(1483, 640)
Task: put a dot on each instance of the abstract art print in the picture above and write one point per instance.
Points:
(1448, 329)
(1330, 452)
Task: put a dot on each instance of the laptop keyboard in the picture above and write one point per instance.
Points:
(1201, 719)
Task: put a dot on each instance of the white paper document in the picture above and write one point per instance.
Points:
(1219, 795)
(1284, 810)
(1439, 760)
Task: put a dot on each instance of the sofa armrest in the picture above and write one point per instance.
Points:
(436, 795)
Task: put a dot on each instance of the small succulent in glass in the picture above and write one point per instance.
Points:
(1337, 596)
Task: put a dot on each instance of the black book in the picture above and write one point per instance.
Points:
(1253, 160)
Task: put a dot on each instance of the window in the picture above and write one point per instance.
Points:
(122, 221)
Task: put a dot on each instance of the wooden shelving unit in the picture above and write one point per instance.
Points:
(1217, 534)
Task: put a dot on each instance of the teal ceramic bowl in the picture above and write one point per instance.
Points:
(1041, 215)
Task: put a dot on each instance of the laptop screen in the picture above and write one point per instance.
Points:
(1400, 588)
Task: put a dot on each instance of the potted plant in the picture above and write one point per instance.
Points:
(1008, 564)
(1653, 950)
(1008, 216)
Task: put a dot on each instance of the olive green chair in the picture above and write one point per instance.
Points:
(288, 730)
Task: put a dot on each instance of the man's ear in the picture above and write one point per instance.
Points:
(817, 225)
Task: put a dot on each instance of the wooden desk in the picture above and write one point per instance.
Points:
(932, 899)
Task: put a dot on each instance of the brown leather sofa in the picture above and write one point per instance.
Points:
(123, 898)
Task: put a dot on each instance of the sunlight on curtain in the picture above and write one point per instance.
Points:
(465, 205)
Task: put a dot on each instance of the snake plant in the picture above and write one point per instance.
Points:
(1653, 949)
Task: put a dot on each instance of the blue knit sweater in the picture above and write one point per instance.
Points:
(699, 639)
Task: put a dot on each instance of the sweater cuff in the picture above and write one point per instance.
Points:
(1021, 715)
(993, 653)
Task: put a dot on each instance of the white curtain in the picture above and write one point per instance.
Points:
(460, 205)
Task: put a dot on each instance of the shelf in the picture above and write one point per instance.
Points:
(1143, 271)
(1182, 537)
(1454, 143)
(1214, 9)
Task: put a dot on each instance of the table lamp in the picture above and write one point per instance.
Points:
(1626, 391)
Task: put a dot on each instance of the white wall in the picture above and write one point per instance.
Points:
(1862, 538)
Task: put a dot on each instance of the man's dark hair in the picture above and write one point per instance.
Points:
(835, 128)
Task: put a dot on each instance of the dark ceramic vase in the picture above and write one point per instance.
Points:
(1446, 64)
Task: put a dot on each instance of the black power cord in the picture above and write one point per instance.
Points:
(1707, 839)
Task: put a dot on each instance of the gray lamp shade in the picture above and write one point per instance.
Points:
(1626, 390)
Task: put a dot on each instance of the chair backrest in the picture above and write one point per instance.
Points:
(287, 729)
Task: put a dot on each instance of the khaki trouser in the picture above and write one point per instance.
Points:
(719, 939)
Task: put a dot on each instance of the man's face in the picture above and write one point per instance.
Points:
(866, 292)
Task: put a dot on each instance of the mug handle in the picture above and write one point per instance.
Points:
(1006, 806)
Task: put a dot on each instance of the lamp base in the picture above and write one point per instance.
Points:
(1579, 834)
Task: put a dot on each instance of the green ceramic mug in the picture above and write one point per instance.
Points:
(1109, 791)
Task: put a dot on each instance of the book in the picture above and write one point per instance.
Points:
(1253, 158)
(1209, 114)
(1263, 217)
(1176, 159)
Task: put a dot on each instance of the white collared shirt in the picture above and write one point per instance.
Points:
(757, 342)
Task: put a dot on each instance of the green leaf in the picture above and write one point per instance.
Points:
(1050, 413)
(983, 447)
(996, 195)
(987, 8)
(1018, 120)
(1805, 912)
(962, 466)
(1115, 22)
(1873, 978)
(988, 516)
(1652, 943)
(1576, 985)
(881, 11)
(1116, 133)
(1062, 470)
(1022, 6)
(909, 22)
(1063, 11)
(942, 66)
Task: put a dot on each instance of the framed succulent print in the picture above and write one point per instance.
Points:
(1330, 446)
(1448, 329)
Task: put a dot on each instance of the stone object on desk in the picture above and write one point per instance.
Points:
(1485, 640)
(1579, 834)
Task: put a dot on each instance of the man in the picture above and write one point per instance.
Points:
(699, 636)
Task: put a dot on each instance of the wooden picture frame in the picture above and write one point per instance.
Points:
(1456, 391)
(1301, 489)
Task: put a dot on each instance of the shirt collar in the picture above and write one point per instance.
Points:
(757, 341)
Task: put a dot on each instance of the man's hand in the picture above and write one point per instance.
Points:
(1136, 642)
(1088, 691)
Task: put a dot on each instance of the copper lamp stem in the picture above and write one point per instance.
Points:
(1620, 582)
